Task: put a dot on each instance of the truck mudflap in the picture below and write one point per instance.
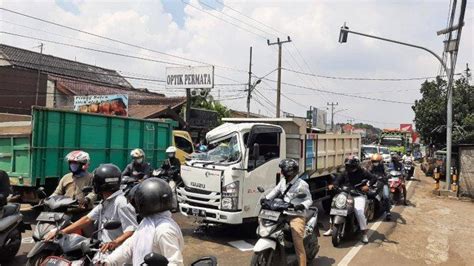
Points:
(210, 215)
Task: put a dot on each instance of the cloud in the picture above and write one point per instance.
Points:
(207, 35)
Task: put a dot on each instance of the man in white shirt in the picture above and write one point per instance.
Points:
(288, 189)
(157, 232)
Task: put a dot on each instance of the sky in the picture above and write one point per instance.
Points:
(220, 32)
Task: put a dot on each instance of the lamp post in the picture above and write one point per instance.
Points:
(449, 127)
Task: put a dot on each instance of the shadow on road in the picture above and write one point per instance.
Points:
(323, 261)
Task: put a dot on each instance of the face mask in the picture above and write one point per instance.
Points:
(75, 168)
(138, 160)
(170, 155)
(375, 163)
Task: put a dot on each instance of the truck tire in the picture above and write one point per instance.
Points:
(263, 258)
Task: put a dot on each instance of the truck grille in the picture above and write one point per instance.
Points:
(200, 198)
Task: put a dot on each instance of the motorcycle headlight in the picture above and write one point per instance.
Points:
(341, 201)
(230, 196)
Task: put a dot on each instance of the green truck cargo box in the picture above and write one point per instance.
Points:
(35, 157)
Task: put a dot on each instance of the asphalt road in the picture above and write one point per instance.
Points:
(216, 241)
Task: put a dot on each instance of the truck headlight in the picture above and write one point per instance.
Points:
(230, 196)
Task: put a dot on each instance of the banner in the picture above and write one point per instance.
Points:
(102, 104)
(199, 77)
(319, 118)
(406, 127)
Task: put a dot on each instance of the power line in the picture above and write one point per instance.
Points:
(118, 41)
(356, 78)
(342, 94)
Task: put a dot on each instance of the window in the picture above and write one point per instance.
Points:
(224, 151)
(269, 149)
(183, 144)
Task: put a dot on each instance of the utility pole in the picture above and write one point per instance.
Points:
(39, 73)
(279, 72)
(332, 114)
(249, 92)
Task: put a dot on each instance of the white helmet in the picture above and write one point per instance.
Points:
(137, 153)
(78, 156)
(171, 149)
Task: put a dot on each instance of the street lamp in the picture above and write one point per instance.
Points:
(249, 95)
(449, 128)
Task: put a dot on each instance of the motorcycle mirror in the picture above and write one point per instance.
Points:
(155, 259)
(87, 190)
(205, 261)
(112, 225)
(301, 195)
(41, 193)
(260, 189)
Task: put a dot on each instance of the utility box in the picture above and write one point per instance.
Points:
(466, 171)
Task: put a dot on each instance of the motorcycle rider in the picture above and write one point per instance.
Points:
(157, 232)
(288, 189)
(354, 175)
(113, 207)
(138, 168)
(377, 168)
(172, 165)
(71, 184)
(395, 164)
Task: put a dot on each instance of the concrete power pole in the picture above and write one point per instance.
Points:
(249, 92)
(332, 114)
(279, 72)
(39, 73)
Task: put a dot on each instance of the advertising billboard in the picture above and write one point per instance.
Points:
(192, 77)
(319, 118)
(116, 104)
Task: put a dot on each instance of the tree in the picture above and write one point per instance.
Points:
(209, 104)
(430, 112)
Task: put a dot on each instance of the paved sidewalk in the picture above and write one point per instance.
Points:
(432, 231)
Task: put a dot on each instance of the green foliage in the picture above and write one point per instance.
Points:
(430, 112)
(209, 104)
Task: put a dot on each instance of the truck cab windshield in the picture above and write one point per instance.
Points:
(224, 151)
(391, 142)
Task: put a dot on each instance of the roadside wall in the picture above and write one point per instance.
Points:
(466, 173)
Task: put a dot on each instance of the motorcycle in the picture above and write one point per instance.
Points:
(63, 208)
(343, 212)
(275, 245)
(376, 195)
(11, 227)
(408, 169)
(169, 177)
(397, 187)
(68, 249)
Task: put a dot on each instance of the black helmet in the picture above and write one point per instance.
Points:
(289, 167)
(151, 196)
(352, 163)
(106, 178)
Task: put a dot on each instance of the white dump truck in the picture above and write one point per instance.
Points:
(220, 186)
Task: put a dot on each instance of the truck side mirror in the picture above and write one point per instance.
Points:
(256, 151)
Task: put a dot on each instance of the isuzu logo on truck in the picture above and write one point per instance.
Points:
(198, 185)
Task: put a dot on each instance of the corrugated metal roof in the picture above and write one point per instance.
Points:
(51, 64)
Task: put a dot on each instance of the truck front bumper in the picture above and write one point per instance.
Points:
(210, 215)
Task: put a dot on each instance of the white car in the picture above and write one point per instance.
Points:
(369, 150)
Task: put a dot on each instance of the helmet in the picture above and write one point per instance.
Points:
(352, 163)
(289, 167)
(376, 157)
(137, 153)
(106, 178)
(78, 156)
(171, 149)
(152, 196)
(394, 173)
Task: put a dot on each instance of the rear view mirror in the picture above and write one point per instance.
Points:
(41, 193)
(205, 261)
(260, 189)
(112, 225)
(155, 259)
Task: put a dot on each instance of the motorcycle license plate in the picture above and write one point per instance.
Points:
(338, 212)
(55, 261)
(269, 215)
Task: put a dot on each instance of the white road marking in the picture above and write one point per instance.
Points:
(353, 252)
(27, 240)
(241, 245)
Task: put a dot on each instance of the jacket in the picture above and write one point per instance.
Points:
(355, 178)
(71, 186)
(140, 171)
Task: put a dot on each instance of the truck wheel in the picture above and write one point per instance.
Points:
(337, 235)
(263, 258)
(9, 252)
